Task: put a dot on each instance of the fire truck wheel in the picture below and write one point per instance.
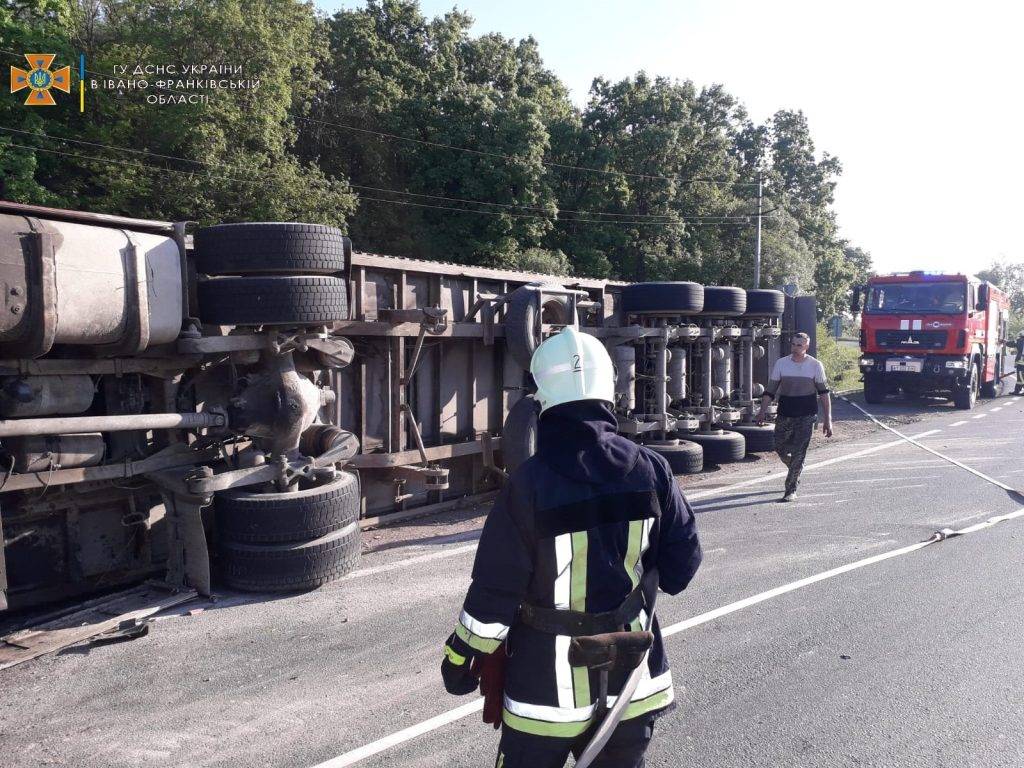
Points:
(684, 457)
(519, 435)
(874, 391)
(720, 447)
(269, 248)
(251, 517)
(965, 397)
(763, 302)
(273, 300)
(290, 566)
(991, 389)
(521, 320)
(724, 300)
(759, 438)
(676, 298)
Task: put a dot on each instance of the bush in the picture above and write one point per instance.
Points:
(839, 360)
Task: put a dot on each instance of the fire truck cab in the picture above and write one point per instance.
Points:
(932, 334)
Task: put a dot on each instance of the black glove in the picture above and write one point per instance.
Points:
(456, 673)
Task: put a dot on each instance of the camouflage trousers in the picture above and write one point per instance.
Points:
(1020, 378)
(792, 436)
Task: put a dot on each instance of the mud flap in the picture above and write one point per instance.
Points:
(188, 562)
(190, 557)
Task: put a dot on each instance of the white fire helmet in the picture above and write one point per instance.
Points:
(572, 366)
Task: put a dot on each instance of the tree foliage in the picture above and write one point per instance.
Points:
(1009, 276)
(230, 159)
(423, 140)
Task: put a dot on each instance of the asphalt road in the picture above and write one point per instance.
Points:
(912, 661)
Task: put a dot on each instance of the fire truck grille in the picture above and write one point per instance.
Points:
(911, 339)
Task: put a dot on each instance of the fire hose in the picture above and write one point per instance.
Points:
(611, 720)
(1019, 495)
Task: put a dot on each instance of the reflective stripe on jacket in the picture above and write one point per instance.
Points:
(564, 542)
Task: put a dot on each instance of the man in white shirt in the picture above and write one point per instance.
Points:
(798, 382)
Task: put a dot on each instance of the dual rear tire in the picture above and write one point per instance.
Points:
(270, 273)
(280, 542)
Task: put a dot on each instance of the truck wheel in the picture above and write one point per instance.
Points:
(991, 389)
(269, 248)
(273, 300)
(763, 302)
(966, 396)
(519, 435)
(720, 447)
(261, 518)
(724, 300)
(675, 298)
(684, 457)
(521, 320)
(759, 438)
(874, 391)
(292, 565)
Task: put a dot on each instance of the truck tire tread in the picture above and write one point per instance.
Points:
(664, 298)
(248, 517)
(684, 458)
(273, 300)
(271, 248)
(719, 447)
(291, 566)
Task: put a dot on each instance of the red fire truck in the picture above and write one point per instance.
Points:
(932, 334)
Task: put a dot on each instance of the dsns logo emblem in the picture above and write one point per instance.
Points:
(39, 79)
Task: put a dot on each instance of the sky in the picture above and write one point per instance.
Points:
(922, 102)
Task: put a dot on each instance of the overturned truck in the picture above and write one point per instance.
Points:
(233, 403)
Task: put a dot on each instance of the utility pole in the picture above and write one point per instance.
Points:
(757, 254)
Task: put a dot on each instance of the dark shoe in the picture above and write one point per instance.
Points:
(789, 496)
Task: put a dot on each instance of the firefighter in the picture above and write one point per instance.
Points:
(1019, 389)
(577, 543)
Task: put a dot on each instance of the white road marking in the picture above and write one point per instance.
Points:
(980, 416)
(958, 423)
(409, 561)
(893, 467)
(999, 408)
(932, 451)
(725, 610)
(404, 735)
(877, 480)
(438, 721)
(816, 465)
(690, 497)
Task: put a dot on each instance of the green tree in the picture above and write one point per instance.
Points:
(1009, 276)
(394, 72)
(235, 157)
(31, 26)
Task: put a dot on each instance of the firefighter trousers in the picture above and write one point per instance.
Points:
(792, 437)
(625, 749)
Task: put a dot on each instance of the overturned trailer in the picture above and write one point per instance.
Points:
(238, 400)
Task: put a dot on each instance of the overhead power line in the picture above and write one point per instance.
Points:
(354, 186)
(719, 220)
(549, 163)
(478, 152)
(658, 219)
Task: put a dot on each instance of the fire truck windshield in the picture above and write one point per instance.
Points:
(919, 298)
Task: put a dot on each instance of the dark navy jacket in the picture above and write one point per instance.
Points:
(576, 527)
